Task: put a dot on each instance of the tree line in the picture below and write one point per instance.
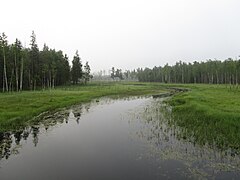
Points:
(24, 68)
(115, 74)
(209, 72)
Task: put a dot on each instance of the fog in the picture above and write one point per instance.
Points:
(129, 33)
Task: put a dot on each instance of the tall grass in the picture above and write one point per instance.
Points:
(210, 114)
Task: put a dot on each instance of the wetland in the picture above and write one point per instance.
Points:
(120, 138)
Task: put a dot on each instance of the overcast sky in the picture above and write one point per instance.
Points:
(128, 33)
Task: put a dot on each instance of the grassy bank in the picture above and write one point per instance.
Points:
(210, 114)
(16, 109)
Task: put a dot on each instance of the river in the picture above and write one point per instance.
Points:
(131, 138)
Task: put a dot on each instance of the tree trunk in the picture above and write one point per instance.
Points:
(5, 69)
(11, 81)
(236, 78)
(217, 77)
(16, 71)
(233, 79)
(34, 85)
(50, 79)
(44, 80)
(48, 83)
(182, 77)
(53, 81)
(29, 80)
(225, 78)
(21, 75)
(3, 84)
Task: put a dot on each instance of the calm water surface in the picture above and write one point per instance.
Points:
(111, 139)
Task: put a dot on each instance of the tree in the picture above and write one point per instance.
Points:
(3, 41)
(119, 74)
(34, 62)
(23, 55)
(87, 71)
(76, 69)
(28, 68)
(66, 69)
(113, 73)
(17, 57)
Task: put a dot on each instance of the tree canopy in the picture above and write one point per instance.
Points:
(23, 68)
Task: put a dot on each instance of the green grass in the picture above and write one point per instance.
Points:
(17, 109)
(210, 114)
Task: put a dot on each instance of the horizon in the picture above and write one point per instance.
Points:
(129, 34)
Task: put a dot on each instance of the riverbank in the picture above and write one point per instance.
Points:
(17, 109)
(210, 115)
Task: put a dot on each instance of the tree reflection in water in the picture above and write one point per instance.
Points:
(10, 142)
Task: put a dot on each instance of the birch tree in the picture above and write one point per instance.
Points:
(3, 41)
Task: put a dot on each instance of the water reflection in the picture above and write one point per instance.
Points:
(5, 145)
(10, 142)
(164, 144)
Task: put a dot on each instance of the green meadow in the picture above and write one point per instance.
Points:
(210, 114)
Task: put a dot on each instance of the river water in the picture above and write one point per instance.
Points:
(130, 138)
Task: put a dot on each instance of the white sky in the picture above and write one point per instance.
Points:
(128, 33)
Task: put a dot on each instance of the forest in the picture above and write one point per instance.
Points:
(23, 68)
(208, 72)
(202, 72)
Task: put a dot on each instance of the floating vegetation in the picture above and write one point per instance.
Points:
(167, 140)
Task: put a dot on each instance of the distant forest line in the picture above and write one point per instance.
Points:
(208, 72)
(24, 68)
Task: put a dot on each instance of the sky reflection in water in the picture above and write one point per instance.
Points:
(132, 138)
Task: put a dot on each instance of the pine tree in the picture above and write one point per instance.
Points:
(34, 62)
(76, 69)
(87, 71)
